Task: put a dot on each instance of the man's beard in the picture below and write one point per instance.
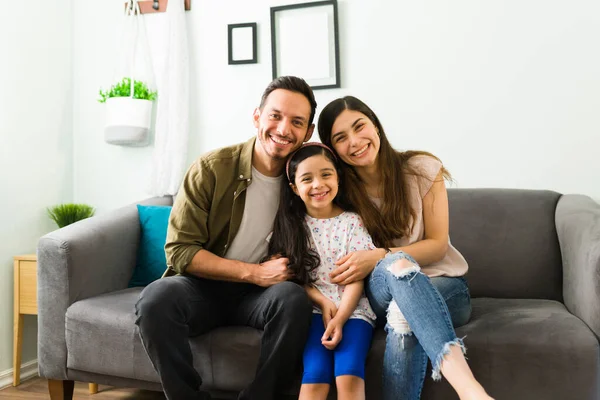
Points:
(273, 154)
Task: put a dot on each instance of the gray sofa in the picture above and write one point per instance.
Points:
(534, 276)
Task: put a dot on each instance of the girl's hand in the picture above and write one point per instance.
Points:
(329, 310)
(355, 266)
(333, 334)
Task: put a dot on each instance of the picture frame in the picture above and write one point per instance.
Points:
(304, 43)
(242, 44)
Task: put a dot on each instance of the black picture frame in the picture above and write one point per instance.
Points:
(232, 60)
(316, 58)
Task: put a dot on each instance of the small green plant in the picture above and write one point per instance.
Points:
(66, 214)
(123, 89)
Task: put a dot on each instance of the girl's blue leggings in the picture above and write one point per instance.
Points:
(348, 358)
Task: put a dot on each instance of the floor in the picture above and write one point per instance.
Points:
(37, 388)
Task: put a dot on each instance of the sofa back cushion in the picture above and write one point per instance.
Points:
(508, 237)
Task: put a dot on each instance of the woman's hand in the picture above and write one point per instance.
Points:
(333, 334)
(329, 309)
(355, 266)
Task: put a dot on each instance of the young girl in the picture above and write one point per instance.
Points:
(313, 230)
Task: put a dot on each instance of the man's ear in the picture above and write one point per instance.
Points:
(256, 117)
(309, 132)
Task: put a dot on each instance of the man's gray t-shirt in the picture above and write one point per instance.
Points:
(262, 200)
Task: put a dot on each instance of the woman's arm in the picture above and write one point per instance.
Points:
(436, 220)
(360, 259)
(357, 265)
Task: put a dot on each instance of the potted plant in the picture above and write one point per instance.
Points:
(128, 112)
(68, 213)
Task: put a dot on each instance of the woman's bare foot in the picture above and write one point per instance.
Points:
(456, 370)
(475, 394)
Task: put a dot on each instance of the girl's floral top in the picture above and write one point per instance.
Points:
(333, 238)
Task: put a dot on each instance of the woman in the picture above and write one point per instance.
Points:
(403, 201)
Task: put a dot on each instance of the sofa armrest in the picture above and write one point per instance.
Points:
(578, 228)
(85, 259)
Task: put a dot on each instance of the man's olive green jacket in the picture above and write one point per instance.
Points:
(207, 211)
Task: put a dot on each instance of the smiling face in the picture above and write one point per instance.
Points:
(282, 123)
(316, 182)
(355, 139)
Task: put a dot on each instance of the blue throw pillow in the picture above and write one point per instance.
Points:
(151, 261)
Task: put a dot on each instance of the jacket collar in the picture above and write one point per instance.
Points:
(245, 166)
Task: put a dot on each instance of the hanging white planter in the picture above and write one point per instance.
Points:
(129, 101)
(128, 121)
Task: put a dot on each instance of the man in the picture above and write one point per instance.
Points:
(217, 236)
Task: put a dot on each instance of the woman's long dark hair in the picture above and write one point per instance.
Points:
(291, 237)
(393, 220)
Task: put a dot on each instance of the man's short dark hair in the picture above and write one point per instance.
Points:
(293, 84)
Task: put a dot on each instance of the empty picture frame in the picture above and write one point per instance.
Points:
(242, 43)
(304, 43)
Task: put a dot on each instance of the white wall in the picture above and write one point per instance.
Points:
(35, 141)
(506, 93)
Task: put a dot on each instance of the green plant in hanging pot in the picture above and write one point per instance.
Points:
(128, 112)
(129, 101)
(123, 89)
(68, 213)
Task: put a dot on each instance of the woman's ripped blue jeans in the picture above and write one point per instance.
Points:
(419, 321)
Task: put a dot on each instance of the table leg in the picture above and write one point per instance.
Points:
(17, 331)
(18, 342)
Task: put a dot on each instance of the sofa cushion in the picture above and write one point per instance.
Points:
(527, 349)
(508, 237)
(151, 260)
(513, 346)
(102, 338)
(515, 349)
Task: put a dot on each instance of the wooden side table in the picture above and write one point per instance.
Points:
(25, 302)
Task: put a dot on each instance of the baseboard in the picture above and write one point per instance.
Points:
(28, 370)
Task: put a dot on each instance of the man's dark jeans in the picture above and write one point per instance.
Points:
(172, 309)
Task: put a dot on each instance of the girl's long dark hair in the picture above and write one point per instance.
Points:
(291, 237)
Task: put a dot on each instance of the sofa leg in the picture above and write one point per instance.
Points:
(61, 390)
(93, 388)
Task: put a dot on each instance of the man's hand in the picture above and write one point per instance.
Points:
(333, 334)
(355, 266)
(271, 272)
